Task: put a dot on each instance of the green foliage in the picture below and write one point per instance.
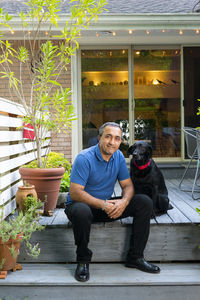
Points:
(46, 57)
(65, 181)
(23, 225)
(30, 201)
(54, 160)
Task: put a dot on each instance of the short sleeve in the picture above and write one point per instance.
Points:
(80, 170)
(123, 170)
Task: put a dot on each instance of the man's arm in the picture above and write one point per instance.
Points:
(121, 204)
(77, 193)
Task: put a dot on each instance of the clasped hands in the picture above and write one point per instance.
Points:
(115, 208)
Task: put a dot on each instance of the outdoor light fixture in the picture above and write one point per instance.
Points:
(130, 31)
(147, 32)
(114, 33)
(180, 32)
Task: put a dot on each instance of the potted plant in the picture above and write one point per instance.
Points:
(24, 191)
(16, 230)
(47, 187)
(42, 58)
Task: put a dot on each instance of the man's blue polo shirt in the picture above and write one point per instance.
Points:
(97, 175)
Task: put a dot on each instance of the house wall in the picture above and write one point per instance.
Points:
(61, 143)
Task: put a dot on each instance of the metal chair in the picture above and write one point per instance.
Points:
(192, 139)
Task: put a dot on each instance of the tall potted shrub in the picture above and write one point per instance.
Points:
(44, 54)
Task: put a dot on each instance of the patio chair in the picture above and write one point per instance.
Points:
(192, 139)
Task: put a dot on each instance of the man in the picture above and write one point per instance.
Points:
(93, 177)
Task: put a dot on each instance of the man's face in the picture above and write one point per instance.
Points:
(110, 140)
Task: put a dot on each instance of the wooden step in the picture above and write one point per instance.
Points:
(178, 281)
(174, 236)
(110, 241)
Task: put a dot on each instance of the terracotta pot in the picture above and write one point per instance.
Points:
(46, 182)
(10, 261)
(22, 193)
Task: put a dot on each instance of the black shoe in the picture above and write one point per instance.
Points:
(142, 265)
(82, 272)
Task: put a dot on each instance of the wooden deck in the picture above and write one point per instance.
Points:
(173, 244)
(174, 236)
(183, 212)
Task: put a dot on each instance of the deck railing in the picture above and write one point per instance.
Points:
(15, 151)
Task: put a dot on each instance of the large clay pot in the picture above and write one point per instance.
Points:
(21, 195)
(10, 261)
(47, 184)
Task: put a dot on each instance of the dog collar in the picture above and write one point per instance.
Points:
(142, 167)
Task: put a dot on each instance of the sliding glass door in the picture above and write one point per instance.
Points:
(147, 106)
(191, 57)
(157, 110)
(104, 75)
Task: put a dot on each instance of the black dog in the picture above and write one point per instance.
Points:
(147, 178)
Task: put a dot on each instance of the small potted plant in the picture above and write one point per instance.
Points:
(47, 181)
(15, 230)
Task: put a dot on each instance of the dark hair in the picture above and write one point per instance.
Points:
(112, 124)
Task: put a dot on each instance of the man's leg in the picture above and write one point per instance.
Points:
(140, 207)
(81, 217)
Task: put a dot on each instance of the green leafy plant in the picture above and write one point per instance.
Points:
(44, 54)
(65, 181)
(30, 201)
(53, 160)
(22, 225)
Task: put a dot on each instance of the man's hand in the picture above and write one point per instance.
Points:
(115, 208)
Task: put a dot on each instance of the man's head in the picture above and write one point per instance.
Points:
(110, 138)
(112, 124)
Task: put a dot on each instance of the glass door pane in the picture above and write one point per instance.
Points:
(104, 75)
(191, 85)
(157, 112)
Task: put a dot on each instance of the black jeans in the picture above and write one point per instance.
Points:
(81, 215)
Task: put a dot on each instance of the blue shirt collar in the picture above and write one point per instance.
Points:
(98, 153)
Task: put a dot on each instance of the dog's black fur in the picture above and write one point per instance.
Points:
(149, 180)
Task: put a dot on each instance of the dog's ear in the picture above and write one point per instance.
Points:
(130, 150)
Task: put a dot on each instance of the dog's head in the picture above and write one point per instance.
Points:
(141, 152)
